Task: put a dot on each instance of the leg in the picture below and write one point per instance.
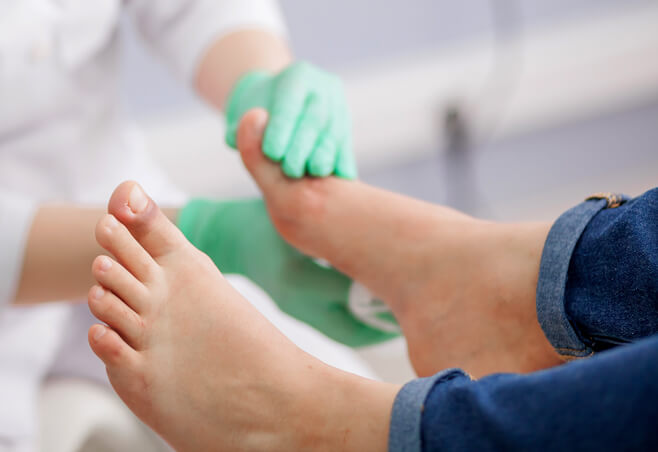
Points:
(606, 402)
(462, 289)
(197, 363)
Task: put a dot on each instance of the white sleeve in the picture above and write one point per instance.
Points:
(181, 31)
(16, 215)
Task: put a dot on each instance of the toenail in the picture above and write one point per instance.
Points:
(100, 332)
(111, 222)
(137, 200)
(97, 292)
(104, 264)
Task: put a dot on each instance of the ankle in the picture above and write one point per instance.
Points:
(516, 251)
(517, 248)
(342, 411)
(453, 249)
(482, 272)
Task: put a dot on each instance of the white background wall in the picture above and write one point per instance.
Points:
(345, 34)
(405, 62)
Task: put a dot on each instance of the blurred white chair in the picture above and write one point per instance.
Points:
(82, 416)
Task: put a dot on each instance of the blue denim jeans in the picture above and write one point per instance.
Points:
(597, 298)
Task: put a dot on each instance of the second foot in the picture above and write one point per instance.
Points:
(197, 363)
(463, 290)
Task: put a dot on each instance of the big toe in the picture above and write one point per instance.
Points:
(144, 219)
(266, 173)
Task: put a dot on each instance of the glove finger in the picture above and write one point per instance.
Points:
(323, 158)
(345, 161)
(305, 137)
(231, 135)
(345, 164)
(285, 111)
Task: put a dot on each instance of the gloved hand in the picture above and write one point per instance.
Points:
(239, 237)
(309, 128)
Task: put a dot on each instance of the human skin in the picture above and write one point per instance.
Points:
(462, 289)
(199, 364)
(60, 244)
(58, 253)
(234, 55)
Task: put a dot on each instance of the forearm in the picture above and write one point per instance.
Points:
(58, 255)
(235, 54)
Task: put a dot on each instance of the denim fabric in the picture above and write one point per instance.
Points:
(404, 432)
(553, 271)
(598, 287)
(604, 403)
(611, 294)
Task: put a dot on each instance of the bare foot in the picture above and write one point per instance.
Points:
(197, 363)
(463, 290)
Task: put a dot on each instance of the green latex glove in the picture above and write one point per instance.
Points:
(309, 129)
(239, 237)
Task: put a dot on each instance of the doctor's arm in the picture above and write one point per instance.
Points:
(58, 251)
(235, 54)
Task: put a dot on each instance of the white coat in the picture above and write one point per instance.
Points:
(62, 138)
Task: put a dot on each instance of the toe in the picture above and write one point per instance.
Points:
(109, 308)
(114, 277)
(115, 238)
(110, 348)
(266, 173)
(145, 221)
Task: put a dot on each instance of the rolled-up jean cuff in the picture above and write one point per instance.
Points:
(406, 416)
(553, 270)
